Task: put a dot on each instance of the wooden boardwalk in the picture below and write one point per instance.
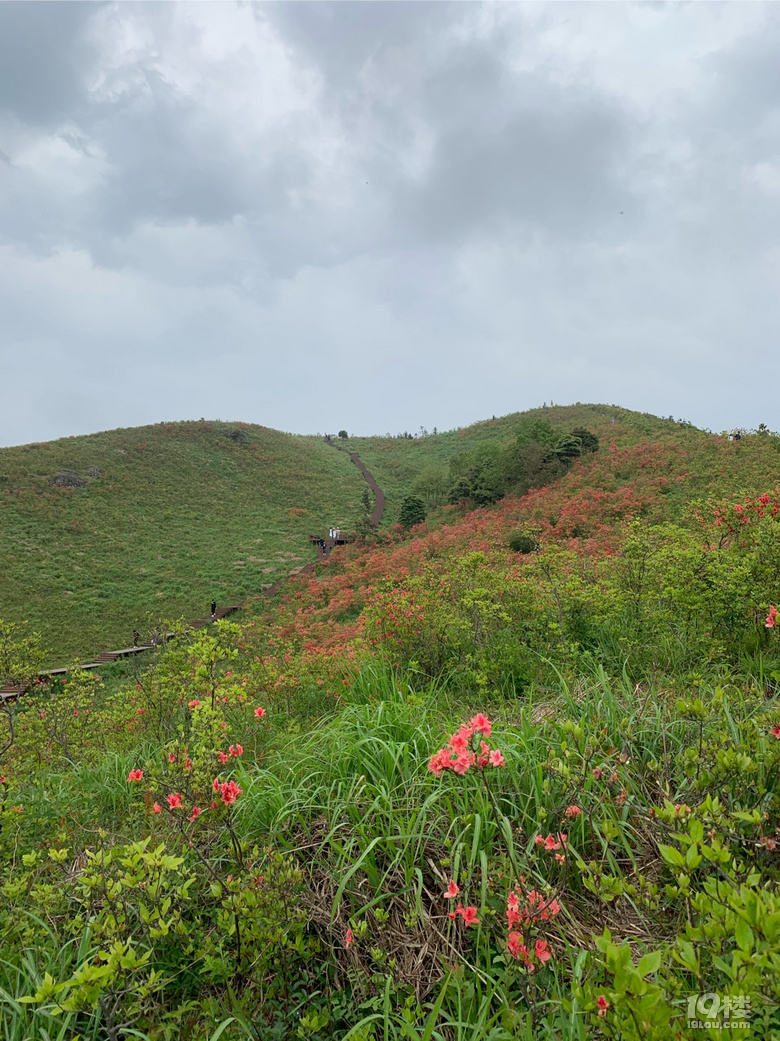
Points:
(323, 552)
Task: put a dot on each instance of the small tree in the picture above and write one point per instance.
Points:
(363, 524)
(589, 442)
(412, 511)
(343, 434)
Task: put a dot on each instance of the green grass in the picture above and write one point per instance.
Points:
(179, 514)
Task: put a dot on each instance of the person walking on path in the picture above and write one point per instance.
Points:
(136, 637)
(213, 608)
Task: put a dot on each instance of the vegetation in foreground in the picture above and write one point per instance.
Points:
(514, 775)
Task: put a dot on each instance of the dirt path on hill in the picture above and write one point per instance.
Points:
(323, 552)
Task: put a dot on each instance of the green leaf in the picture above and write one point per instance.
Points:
(743, 934)
(672, 856)
(649, 964)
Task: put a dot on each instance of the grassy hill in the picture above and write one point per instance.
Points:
(445, 787)
(398, 463)
(152, 522)
(110, 532)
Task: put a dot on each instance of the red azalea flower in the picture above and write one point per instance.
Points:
(481, 724)
(174, 800)
(469, 915)
(135, 775)
(451, 891)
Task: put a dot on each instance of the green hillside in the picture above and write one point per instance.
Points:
(510, 774)
(160, 520)
(404, 464)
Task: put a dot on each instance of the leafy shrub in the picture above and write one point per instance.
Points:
(521, 543)
(412, 511)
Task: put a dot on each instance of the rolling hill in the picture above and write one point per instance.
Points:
(106, 533)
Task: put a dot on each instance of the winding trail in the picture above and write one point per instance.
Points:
(11, 693)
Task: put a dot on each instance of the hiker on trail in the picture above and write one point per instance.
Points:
(213, 608)
(136, 637)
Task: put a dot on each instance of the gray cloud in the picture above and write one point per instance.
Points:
(278, 212)
(45, 56)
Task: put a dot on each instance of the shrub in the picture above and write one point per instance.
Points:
(521, 543)
(412, 511)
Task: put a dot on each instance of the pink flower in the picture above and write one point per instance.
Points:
(229, 792)
(135, 775)
(439, 762)
(222, 757)
(236, 750)
(171, 757)
(469, 915)
(463, 763)
(349, 939)
(193, 704)
(775, 731)
(542, 951)
(157, 808)
(770, 621)
(603, 1004)
(573, 811)
(459, 741)
(481, 724)
(451, 891)
(517, 949)
(196, 812)
(551, 842)
(174, 800)
(259, 712)
(496, 759)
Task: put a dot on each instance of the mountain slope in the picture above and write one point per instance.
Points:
(154, 521)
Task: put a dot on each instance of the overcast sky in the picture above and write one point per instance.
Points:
(377, 216)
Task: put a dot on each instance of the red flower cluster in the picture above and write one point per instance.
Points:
(228, 790)
(468, 914)
(553, 842)
(135, 775)
(540, 954)
(461, 754)
(770, 621)
(522, 908)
